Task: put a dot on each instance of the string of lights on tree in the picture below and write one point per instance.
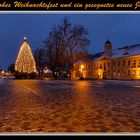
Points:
(25, 61)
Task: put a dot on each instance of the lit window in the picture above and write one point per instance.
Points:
(118, 73)
(134, 72)
(123, 73)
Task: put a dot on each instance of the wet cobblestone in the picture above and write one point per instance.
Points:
(69, 106)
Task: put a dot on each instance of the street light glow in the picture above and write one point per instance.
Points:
(82, 66)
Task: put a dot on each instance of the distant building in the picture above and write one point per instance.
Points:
(47, 73)
(121, 64)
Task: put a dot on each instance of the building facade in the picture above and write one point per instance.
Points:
(120, 64)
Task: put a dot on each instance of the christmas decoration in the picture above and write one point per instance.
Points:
(25, 62)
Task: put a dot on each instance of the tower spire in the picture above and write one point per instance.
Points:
(108, 48)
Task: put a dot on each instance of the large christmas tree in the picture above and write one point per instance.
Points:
(25, 62)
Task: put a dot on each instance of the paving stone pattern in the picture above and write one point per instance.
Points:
(69, 106)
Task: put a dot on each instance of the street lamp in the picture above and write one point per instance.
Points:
(81, 70)
(82, 66)
(3, 72)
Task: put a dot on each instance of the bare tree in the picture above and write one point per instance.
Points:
(74, 39)
(40, 58)
(11, 68)
(56, 56)
(66, 44)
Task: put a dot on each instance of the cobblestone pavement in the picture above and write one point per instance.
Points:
(69, 106)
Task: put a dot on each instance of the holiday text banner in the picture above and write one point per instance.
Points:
(68, 5)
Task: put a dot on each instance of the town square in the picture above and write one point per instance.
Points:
(40, 106)
(69, 73)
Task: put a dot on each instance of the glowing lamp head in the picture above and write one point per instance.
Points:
(3, 72)
(25, 38)
(82, 66)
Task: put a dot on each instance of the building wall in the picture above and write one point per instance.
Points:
(125, 68)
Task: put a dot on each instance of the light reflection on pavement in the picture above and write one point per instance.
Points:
(69, 106)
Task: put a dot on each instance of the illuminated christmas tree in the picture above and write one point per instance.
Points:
(25, 62)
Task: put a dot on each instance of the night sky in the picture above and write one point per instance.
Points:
(120, 29)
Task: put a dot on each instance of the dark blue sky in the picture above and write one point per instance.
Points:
(120, 29)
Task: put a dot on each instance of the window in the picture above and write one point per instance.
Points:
(134, 72)
(108, 72)
(128, 62)
(100, 66)
(118, 63)
(104, 66)
(134, 62)
(128, 72)
(123, 63)
(114, 63)
(114, 73)
(108, 64)
(123, 73)
(97, 66)
(89, 66)
(118, 73)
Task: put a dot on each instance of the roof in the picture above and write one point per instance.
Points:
(126, 51)
(48, 71)
(91, 57)
(117, 53)
(107, 42)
